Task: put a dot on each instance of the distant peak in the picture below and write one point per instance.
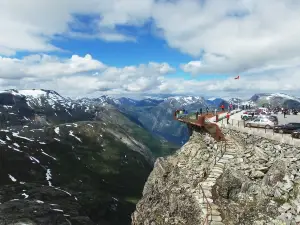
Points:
(32, 92)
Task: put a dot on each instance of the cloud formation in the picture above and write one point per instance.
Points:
(256, 38)
(80, 76)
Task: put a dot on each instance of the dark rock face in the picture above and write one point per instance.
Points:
(74, 172)
(18, 110)
(57, 206)
(67, 162)
(157, 116)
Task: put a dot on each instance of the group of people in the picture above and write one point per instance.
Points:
(284, 111)
(246, 107)
(181, 112)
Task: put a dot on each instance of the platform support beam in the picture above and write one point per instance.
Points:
(190, 129)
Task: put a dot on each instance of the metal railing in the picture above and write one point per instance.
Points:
(243, 123)
(240, 125)
(208, 207)
(212, 128)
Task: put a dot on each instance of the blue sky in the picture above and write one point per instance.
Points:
(136, 48)
(120, 54)
(147, 47)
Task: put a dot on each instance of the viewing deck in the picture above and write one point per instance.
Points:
(202, 122)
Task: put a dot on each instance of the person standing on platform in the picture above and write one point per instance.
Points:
(222, 107)
(227, 117)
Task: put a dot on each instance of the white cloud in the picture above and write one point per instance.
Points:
(85, 76)
(45, 66)
(31, 25)
(265, 32)
(262, 42)
(79, 75)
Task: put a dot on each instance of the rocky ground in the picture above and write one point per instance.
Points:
(250, 180)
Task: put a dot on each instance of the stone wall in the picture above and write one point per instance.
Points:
(172, 194)
(247, 180)
(266, 173)
(285, 139)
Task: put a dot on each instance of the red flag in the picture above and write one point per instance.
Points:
(238, 77)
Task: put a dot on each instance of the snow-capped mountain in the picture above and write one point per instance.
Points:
(234, 101)
(275, 100)
(217, 102)
(41, 97)
(185, 100)
(64, 161)
(127, 101)
(21, 107)
(100, 101)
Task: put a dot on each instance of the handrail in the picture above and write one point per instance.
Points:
(207, 205)
(201, 121)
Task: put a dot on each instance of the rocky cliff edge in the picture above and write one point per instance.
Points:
(247, 180)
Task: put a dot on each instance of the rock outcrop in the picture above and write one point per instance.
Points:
(243, 181)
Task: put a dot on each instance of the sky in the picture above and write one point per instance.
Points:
(137, 48)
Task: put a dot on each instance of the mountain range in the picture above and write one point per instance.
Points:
(85, 161)
(155, 115)
(63, 162)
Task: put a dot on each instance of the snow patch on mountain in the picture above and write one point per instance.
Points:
(283, 96)
(12, 178)
(186, 100)
(71, 133)
(212, 99)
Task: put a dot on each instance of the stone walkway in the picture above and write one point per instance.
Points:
(204, 195)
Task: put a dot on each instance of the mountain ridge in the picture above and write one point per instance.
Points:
(64, 161)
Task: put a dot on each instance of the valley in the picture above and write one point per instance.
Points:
(84, 161)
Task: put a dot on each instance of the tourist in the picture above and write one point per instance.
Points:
(222, 107)
(228, 116)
